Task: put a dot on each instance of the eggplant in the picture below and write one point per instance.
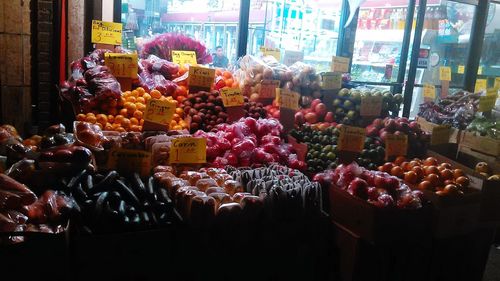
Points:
(100, 205)
(114, 199)
(105, 183)
(150, 189)
(127, 194)
(78, 193)
(76, 179)
(87, 183)
(138, 186)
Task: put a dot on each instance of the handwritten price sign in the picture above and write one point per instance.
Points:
(106, 32)
(429, 92)
(122, 65)
(275, 52)
(440, 134)
(201, 77)
(184, 57)
(331, 81)
(232, 97)
(487, 103)
(188, 150)
(396, 145)
(268, 89)
(371, 106)
(445, 73)
(160, 112)
(287, 99)
(340, 64)
(352, 139)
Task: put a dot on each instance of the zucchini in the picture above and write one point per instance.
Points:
(121, 209)
(127, 194)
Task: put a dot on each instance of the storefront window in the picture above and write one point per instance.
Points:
(490, 59)
(308, 27)
(214, 23)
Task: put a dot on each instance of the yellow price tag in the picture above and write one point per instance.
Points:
(184, 57)
(340, 64)
(231, 97)
(351, 139)
(268, 89)
(201, 77)
(440, 134)
(481, 85)
(129, 161)
(487, 103)
(497, 83)
(396, 145)
(480, 70)
(445, 73)
(461, 69)
(160, 112)
(429, 91)
(492, 91)
(331, 81)
(287, 99)
(371, 106)
(188, 150)
(275, 52)
(106, 32)
(122, 65)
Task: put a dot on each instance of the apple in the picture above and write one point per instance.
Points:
(390, 125)
(315, 102)
(414, 126)
(329, 117)
(383, 134)
(359, 188)
(320, 109)
(276, 114)
(385, 200)
(299, 118)
(391, 183)
(311, 118)
(378, 123)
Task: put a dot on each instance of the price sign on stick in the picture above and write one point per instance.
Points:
(445, 73)
(287, 99)
(201, 77)
(352, 139)
(497, 83)
(429, 92)
(331, 81)
(340, 64)
(158, 112)
(396, 145)
(481, 85)
(231, 97)
(268, 89)
(188, 150)
(371, 106)
(184, 57)
(128, 161)
(275, 52)
(440, 134)
(122, 65)
(461, 69)
(106, 32)
(487, 103)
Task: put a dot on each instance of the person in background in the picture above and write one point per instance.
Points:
(220, 60)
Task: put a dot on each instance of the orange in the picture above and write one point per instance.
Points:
(155, 94)
(229, 82)
(140, 90)
(177, 127)
(80, 117)
(121, 129)
(90, 119)
(130, 99)
(119, 119)
(181, 98)
(135, 128)
(173, 123)
(141, 122)
(135, 93)
(126, 93)
(123, 112)
(138, 114)
(140, 100)
(134, 121)
(131, 107)
(111, 118)
(140, 106)
(125, 123)
(102, 119)
(108, 127)
(179, 111)
(176, 116)
(227, 74)
(146, 96)
(218, 72)
(121, 101)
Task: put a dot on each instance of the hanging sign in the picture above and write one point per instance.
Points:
(275, 52)
(371, 106)
(429, 92)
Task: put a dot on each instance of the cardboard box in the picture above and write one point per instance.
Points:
(486, 145)
(427, 126)
(374, 224)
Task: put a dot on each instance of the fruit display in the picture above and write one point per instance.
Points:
(485, 127)
(429, 175)
(157, 74)
(112, 203)
(207, 110)
(347, 104)
(377, 188)
(241, 193)
(456, 110)
(316, 113)
(418, 140)
(299, 77)
(162, 46)
(249, 142)
(224, 78)
(127, 113)
(486, 171)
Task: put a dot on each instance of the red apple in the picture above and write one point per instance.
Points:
(378, 123)
(299, 118)
(315, 102)
(329, 117)
(358, 187)
(390, 125)
(311, 118)
(320, 109)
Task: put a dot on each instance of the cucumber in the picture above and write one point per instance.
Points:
(122, 209)
(127, 194)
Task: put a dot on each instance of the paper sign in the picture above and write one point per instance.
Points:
(497, 83)
(340, 64)
(231, 97)
(287, 99)
(481, 84)
(188, 150)
(351, 139)
(275, 52)
(429, 92)
(461, 69)
(440, 134)
(160, 112)
(268, 89)
(331, 81)
(202, 77)
(371, 106)
(480, 70)
(487, 103)
(128, 161)
(396, 145)
(184, 57)
(106, 32)
(492, 91)
(475, 182)
(122, 65)
(445, 73)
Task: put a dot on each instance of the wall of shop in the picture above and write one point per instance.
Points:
(15, 63)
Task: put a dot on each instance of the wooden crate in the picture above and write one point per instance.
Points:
(427, 126)
(485, 145)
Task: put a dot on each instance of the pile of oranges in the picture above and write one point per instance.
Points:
(225, 78)
(126, 115)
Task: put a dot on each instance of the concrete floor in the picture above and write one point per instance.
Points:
(492, 271)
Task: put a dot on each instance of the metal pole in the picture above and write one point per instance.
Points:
(414, 58)
(405, 47)
(243, 27)
(476, 45)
